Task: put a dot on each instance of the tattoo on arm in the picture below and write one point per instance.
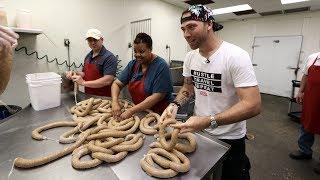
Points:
(185, 93)
(184, 98)
(187, 81)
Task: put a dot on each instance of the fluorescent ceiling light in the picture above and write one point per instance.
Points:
(291, 1)
(231, 9)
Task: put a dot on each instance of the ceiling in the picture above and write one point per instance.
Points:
(262, 7)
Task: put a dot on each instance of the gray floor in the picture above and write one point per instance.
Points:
(275, 136)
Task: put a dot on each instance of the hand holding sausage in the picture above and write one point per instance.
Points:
(193, 124)
(169, 112)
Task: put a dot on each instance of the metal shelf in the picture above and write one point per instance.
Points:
(27, 31)
(296, 115)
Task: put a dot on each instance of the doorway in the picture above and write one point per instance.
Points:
(137, 27)
(276, 60)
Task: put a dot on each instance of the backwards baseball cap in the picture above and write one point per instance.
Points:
(202, 13)
(94, 33)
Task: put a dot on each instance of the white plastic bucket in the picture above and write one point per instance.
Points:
(23, 19)
(44, 90)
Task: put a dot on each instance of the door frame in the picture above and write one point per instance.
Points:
(130, 44)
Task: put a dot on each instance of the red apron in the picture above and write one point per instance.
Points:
(136, 89)
(91, 73)
(311, 101)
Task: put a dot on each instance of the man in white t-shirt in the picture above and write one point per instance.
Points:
(309, 97)
(221, 77)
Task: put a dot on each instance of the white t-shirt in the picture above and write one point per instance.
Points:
(215, 84)
(309, 61)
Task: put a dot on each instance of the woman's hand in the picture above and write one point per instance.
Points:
(116, 109)
(127, 114)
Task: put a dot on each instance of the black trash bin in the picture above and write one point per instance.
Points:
(4, 112)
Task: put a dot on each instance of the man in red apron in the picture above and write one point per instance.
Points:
(148, 79)
(100, 67)
(309, 96)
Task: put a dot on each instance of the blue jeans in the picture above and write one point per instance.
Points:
(305, 141)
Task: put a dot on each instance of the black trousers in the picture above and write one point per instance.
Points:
(236, 166)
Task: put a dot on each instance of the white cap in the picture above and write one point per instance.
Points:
(94, 33)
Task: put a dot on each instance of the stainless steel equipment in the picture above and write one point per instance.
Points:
(15, 135)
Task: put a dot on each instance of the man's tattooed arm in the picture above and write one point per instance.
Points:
(186, 92)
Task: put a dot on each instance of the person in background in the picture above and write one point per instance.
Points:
(309, 97)
(221, 77)
(8, 41)
(100, 67)
(148, 79)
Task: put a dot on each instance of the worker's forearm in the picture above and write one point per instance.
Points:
(115, 91)
(149, 102)
(303, 83)
(186, 92)
(98, 83)
(94, 84)
(241, 111)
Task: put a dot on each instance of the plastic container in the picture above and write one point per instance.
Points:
(23, 19)
(44, 90)
(3, 17)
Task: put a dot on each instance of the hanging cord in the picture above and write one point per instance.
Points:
(67, 62)
(46, 57)
(56, 60)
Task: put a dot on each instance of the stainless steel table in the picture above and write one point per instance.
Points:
(15, 140)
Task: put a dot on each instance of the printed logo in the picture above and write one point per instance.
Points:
(206, 81)
(203, 93)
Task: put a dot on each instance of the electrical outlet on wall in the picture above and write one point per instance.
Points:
(66, 42)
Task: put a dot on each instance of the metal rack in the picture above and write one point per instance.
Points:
(293, 113)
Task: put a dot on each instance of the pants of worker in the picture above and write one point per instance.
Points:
(305, 141)
(236, 166)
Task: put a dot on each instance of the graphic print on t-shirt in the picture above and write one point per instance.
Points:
(206, 81)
